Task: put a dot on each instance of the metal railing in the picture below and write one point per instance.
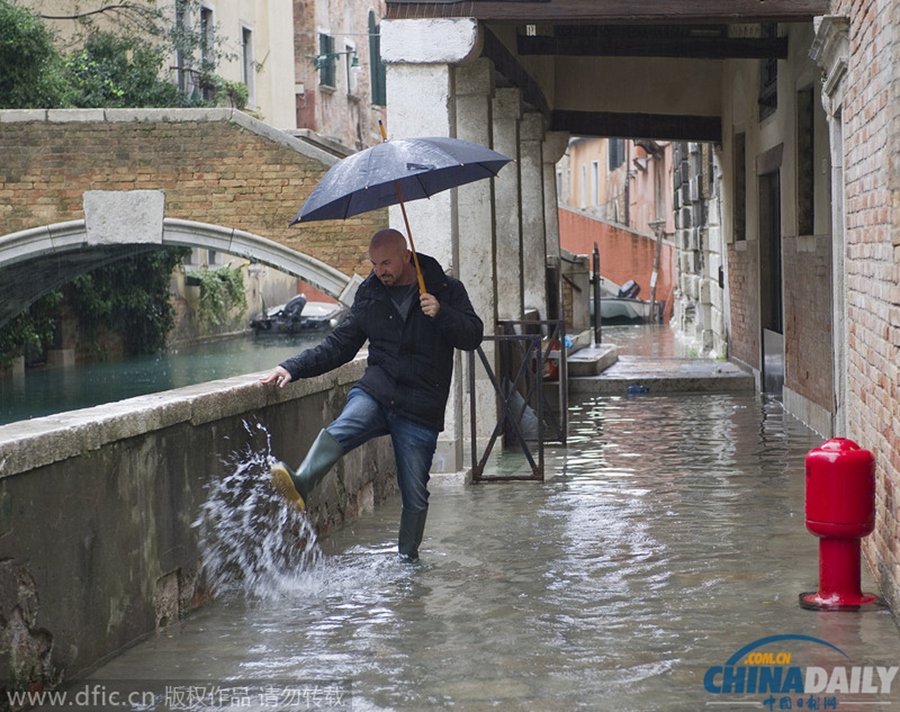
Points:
(525, 417)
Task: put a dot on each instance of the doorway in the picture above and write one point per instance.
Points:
(771, 299)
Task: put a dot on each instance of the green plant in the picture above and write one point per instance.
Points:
(118, 72)
(31, 331)
(130, 297)
(229, 93)
(30, 72)
(123, 68)
(221, 291)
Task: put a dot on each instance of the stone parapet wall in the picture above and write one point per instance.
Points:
(97, 509)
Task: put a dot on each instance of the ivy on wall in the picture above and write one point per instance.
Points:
(221, 292)
(130, 297)
(30, 332)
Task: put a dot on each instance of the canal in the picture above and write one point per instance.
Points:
(45, 391)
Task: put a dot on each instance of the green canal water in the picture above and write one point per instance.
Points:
(47, 391)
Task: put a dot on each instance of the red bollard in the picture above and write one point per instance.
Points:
(840, 510)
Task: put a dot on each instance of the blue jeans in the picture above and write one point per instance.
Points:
(364, 418)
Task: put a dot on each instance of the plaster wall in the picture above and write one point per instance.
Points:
(639, 85)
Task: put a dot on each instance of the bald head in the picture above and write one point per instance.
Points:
(388, 239)
(390, 258)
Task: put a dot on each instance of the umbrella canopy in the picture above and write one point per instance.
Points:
(396, 171)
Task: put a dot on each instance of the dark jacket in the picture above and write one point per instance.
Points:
(410, 362)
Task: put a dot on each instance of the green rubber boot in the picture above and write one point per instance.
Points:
(296, 486)
(412, 528)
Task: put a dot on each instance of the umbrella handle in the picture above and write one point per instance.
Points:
(412, 245)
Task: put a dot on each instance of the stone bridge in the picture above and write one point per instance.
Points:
(85, 187)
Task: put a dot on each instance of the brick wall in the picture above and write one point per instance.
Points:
(807, 319)
(871, 152)
(214, 167)
(743, 285)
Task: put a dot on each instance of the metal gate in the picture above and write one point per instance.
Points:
(525, 417)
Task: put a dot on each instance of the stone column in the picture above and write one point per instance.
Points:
(534, 246)
(421, 56)
(554, 148)
(507, 111)
(477, 266)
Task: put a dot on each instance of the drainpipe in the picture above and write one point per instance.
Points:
(628, 183)
(659, 227)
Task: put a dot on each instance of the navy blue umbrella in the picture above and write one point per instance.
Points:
(396, 171)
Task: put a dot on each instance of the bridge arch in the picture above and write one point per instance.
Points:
(35, 261)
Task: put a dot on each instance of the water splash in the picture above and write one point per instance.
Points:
(251, 542)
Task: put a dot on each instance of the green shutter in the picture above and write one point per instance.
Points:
(376, 66)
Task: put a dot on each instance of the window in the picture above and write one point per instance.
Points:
(326, 62)
(595, 182)
(248, 66)
(805, 162)
(182, 59)
(740, 187)
(583, 186)
(376, 66)
(351, 64)
(616, 153)
(768, 78)
(207, 50)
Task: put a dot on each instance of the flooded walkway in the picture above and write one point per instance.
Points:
(668, 536)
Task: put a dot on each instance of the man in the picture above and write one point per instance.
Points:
(403, 392)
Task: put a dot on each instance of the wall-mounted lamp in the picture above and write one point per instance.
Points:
(321, 61)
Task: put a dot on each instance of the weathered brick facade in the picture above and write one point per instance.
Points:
(807, 318)
(743, 266)
(872, 191)
(214, 166)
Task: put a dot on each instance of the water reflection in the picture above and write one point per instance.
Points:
(668, 535)
(55, 390)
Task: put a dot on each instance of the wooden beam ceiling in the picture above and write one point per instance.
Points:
(660, 127)
(615, 11)
(696, 42)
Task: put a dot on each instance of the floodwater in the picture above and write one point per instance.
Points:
(668, 536)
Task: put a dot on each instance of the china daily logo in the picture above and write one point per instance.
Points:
(786, 684)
